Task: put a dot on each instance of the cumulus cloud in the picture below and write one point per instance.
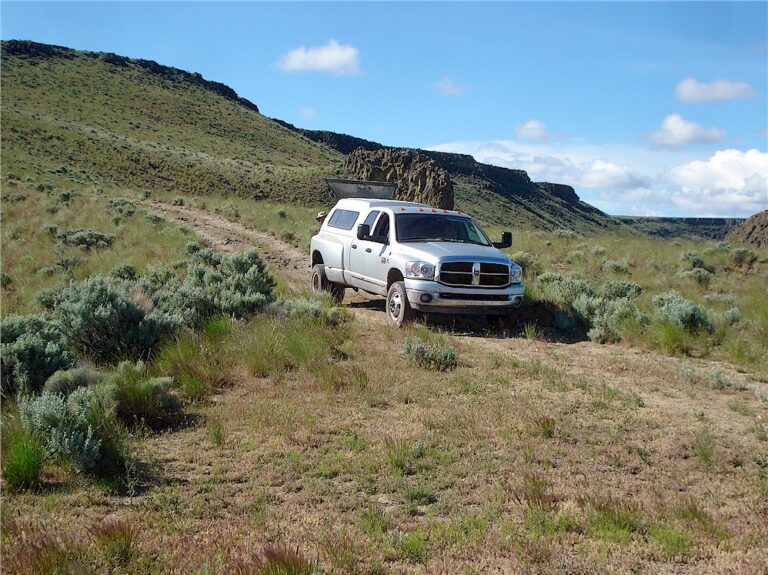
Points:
(332, 58)
(691, 90)
(604, 174)
(448, 87)
(533, 129)
(676, 131)
(730, 180)
(308, 112)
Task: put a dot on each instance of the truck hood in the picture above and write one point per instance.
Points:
(446, 251)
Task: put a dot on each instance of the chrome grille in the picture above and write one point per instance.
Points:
(474, 274)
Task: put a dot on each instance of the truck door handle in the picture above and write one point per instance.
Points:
(354, 247)
(368, 250)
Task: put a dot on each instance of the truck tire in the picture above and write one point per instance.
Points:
(399, 310)
(320, 283)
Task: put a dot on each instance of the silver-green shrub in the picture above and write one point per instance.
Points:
(86, 238)
(63, 426)
(732, 316)
(616, 266)
(563, 290)
(699, 275)
(692, 259)
(124, 272)
(31, 350)
(673, 307)
(617, 289)
(99, 320)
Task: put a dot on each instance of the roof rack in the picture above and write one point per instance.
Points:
(343, 189)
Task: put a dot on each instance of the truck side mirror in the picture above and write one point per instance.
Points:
(506, 241)
(363, 231)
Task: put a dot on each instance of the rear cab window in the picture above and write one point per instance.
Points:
(343, 219)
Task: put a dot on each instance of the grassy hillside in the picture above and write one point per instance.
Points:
(98, 119)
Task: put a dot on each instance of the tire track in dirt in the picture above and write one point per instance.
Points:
(221, 234)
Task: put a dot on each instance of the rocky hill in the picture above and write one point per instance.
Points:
(753, 231)
(496, 195)
(419, 178)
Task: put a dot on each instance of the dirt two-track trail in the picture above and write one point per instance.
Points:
(630, 369)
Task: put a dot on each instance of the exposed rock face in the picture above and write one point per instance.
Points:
(562, 191)
(419, 178)
(754, 231)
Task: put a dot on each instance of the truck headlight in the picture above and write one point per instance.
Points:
(515, 274)
(419, 270)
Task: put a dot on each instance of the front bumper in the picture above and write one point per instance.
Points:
(434, 297)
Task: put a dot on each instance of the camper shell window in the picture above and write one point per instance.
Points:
(343, 219)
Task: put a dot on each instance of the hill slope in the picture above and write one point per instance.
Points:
(753, 231)
(102, 120)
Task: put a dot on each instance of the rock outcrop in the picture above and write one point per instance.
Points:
(753, 232)
(418, 177)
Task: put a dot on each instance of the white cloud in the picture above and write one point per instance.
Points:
(533, 129)
(691, 90)
(448, 87)
(604, 174)
(729, 181)
(333, 58)
(676, 131)
(308, 112)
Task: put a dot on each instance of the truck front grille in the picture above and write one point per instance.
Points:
(474, 297)
(474, 274)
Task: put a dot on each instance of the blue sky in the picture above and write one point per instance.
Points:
(653, 108)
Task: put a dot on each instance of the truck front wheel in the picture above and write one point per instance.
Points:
(399, 310)
(320, 283)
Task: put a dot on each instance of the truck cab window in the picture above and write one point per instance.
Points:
(382, 227)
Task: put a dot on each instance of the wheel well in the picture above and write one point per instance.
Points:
(317, 258)
(393, 276)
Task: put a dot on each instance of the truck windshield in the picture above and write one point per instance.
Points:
(439, 228)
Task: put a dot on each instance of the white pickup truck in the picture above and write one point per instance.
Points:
(420, 258)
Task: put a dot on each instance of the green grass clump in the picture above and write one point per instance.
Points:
(66, 381)
(140, 397)
(23, 458)
(673, 541)
(613, 521)
(116, 541)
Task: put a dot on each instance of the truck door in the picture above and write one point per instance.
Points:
(359, 254)
(377, 260)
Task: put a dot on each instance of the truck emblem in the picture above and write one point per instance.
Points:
(476, 273)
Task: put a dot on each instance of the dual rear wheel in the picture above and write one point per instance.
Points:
(320, 283)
